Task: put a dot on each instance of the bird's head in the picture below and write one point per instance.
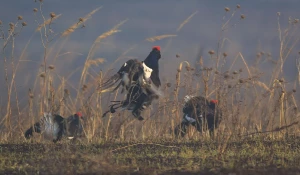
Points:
(79, 115)
(213, 103)
(153, 57)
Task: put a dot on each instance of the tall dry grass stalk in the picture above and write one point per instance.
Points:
(76, 25)
(186, 21)
(96, 42)
(249, 103)
(47, 22)
(159, 37)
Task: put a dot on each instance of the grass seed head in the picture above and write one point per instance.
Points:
(177, 55)
(226, 76)
(52, 15)
(43, 75)
(258, 55)
(278, 13)
(169, 84)
(51, 67)
(240, 70)
(238, 6)
(84, 87)
(188, 68)
(281, 80)
(35, 10)
(224, 54)
(243, 16)
(211, 52)
(80, 19)
(20, 17)
(11, 26)
(31, 95)
(234, 72)
(67, 92)
(294, 90)
(24, 24)
(227, 9)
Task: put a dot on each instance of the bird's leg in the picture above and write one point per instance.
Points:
(139, 106)
(200, 124)
(181, 129)
(62, 129)
(112, 109)
(137, 114)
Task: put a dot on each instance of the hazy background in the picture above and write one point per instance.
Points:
(258, 32)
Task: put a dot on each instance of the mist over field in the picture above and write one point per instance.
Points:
(257, 32)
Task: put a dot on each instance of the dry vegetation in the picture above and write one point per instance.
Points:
(259, 131)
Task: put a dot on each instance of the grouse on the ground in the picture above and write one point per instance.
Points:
(200, 113)
(54, 127)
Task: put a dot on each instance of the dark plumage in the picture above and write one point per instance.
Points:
(74, 126)
(54, 127)
(200, 113)
(134, 70)
(141, 81)
(137, 99)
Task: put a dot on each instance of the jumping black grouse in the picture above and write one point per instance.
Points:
(141, 81)
(134, 70)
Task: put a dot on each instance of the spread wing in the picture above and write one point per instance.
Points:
(127, 74)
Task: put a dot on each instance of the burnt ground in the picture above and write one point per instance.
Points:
(243, 157)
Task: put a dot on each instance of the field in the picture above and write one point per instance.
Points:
(259, 132)
(251, 156)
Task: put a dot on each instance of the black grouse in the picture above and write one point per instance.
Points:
(141, 81)
(200, 113)
(133, 70)
(54, 127)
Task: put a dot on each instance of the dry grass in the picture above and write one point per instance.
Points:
(73, 27)
(160, 37)
(253, 109)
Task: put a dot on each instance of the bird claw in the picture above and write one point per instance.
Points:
(137, 115)
(140, 118)
(112, 110)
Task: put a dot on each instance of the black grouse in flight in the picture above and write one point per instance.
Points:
(141, 81)
(134, 70)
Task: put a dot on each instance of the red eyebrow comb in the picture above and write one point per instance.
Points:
(156, 47)
(79, 114)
